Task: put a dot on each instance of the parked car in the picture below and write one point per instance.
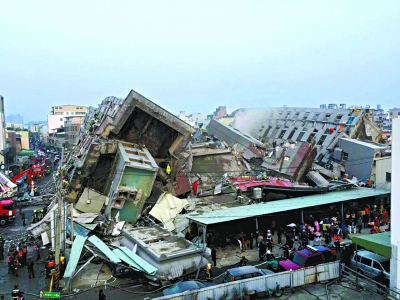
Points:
(245, 272)
(370, 264)
(184, 286)
(310, 256)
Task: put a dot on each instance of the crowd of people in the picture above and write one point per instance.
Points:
(328, 231)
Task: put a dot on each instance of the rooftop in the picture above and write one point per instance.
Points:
(366, 144)
(254, 210)
(158, 240)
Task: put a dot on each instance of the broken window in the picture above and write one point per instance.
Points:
(282, 134)
(345, 156)
(300, 136)
(322, 139)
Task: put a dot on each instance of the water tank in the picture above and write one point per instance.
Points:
(257, 193)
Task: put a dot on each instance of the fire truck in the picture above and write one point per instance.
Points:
(8, 189)
(7, 211)
(34, 172)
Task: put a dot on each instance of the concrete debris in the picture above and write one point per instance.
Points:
(137, 171)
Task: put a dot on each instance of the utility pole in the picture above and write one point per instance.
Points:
(282, 158)
(58, 226)
(72, 223)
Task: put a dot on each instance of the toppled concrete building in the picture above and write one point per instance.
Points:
(173, 256)
(308, 124)
(128, 144)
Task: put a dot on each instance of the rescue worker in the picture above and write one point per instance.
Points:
(21, 257)
(38, 252)
(62, 264)
(337, 239)
(49, 266)
(31, 271)
(208, 273)
(16, 293)
(270, 256)
(24, 255)
(16, 267)
(10, 262)
(23, 218)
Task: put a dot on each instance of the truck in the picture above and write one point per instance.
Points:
(7, 211)
(34, 172)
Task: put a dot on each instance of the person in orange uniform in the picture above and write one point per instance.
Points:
(337, 239)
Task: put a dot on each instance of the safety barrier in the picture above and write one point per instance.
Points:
(290, 279)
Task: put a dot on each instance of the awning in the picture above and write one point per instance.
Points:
(90, 201)
(99, 244)
(135, 261)
(378, 243)
(76, 251)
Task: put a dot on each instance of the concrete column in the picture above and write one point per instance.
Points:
(395, 206)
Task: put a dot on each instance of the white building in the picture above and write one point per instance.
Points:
(59, 113)
(381, 174)
(2, 129)
(395, 207)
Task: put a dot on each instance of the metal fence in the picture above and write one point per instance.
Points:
(290, 279)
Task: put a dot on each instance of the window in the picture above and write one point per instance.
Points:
(313, 260)
(67, 113)
(366, 261)
(345, 156)
(388, 177)
(282, 134)
(322, 140)
(300, 136)
(377, 266)
(61, 119)
(78, 108)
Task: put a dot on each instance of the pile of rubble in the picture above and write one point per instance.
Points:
(137, 171)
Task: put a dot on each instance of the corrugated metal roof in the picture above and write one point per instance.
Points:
(144, 265)
(99, 244)
(138, 264)
(76, 250)
(254, 210)
(379, 243)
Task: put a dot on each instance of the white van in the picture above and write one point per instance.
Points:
(370, 264)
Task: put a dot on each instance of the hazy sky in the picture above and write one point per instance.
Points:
(196, 55)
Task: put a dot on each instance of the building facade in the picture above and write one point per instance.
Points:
(72, 127)
(358, 157)
(323, 126)
(58, 114)
(381, 176)
(2, 130)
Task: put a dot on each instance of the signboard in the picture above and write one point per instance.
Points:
(51, 295)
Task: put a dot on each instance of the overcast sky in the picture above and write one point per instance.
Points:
(194, 56)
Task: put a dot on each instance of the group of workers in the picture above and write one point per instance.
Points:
(17, 259)
(50, 264)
